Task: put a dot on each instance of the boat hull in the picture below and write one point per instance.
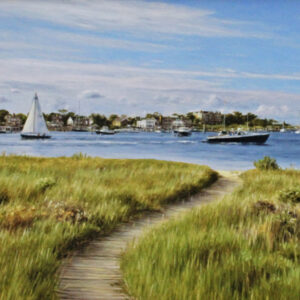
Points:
(256, 139)
(183, 133)
(105, 133)
(34, 136)
(80, 130)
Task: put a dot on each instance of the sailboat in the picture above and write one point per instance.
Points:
(35, 126)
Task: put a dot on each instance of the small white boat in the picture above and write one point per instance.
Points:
(35, 126)
(182, 131)
(297, 131)
(105, 131)
(283, 128)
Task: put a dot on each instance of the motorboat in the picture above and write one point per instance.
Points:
(182, 131)
(35, 126)
(238, 137)
(105, 131)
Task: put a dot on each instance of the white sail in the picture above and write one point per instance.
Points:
(35, 122)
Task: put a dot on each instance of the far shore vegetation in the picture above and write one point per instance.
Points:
(236, 119)
(246, 246)
(49, 206)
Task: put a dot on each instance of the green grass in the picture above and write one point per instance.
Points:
(48, 206)
(243, 247)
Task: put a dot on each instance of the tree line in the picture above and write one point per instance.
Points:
(234, 118)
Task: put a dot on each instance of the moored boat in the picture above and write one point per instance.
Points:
(35, 126)
(239, 137)
(283, 128)
(182, 131)
(105, 131)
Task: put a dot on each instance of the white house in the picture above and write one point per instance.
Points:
(70, 121)
(146, 123)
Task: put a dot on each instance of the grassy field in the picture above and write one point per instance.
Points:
(48, 206)
(243, 247)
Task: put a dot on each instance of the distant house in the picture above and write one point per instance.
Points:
(120, 121)
(147, 124)
(13, 122)
(209, 117)
(56, 122)
(167, 122)
(82, 123)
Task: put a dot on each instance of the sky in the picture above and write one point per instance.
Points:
(135, 57)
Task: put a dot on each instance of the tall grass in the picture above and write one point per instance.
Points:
(48, 206)
(244, 247)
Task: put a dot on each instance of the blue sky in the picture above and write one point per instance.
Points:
(135, 57)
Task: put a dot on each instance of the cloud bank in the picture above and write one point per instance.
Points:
(135, 57)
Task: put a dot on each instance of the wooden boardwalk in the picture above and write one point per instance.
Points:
(94, 273)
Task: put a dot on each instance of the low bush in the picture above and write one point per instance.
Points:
(267, 163)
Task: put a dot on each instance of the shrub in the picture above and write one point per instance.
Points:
(290, 195)
(267, 163)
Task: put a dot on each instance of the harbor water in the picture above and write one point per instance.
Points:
(284, 147)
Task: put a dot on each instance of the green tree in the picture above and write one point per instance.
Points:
(22, 117)
(113, 117)
(99, 120)
(3, 114)
(191, 116)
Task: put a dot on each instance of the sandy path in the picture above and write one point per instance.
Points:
(94, 273)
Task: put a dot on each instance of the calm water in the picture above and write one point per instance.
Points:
(285, 147)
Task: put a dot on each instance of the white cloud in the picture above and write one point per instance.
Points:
(273, 111)
(136, 17)
(131, 90)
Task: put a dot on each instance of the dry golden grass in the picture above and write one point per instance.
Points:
(244, 247)
(48, 206)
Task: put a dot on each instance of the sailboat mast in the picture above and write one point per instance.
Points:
(247, 122)
(35, 112)
(224, 122)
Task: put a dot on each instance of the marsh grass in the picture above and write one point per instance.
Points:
(48, 206)
(244, 247)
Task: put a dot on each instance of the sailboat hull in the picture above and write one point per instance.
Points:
(35, 136)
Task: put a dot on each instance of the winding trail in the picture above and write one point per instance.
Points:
(94, 273)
